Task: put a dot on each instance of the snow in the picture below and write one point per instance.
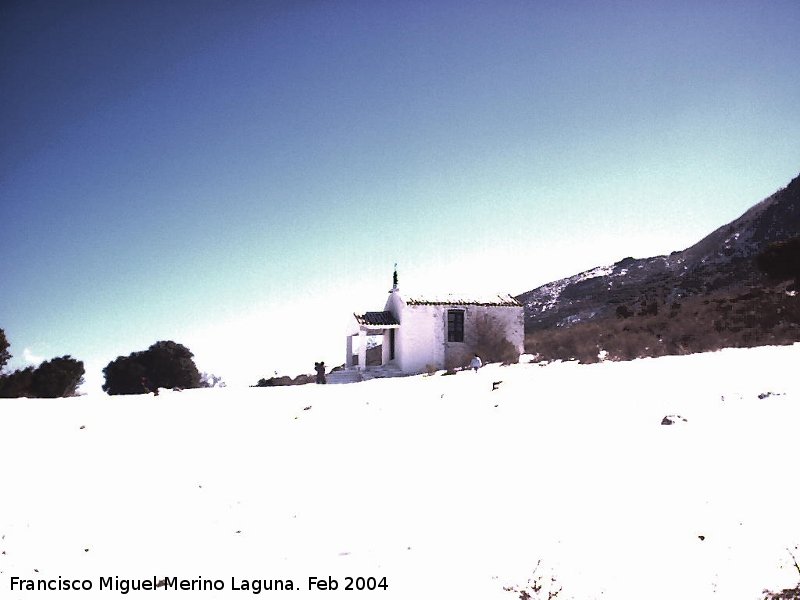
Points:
(552, 291)
(443, 486)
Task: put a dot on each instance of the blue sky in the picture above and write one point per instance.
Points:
(240, 176)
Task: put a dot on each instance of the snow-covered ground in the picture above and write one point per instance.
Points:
(440, 485)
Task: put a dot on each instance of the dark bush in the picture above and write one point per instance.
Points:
(275, 381)
(491, 344)
(282, 380)
(781, 260)
(648, 308)
(171, 365)
(16, 384)
(57, 378)
(744, 317)
(623, 312)
(165, 364)
(124, 375)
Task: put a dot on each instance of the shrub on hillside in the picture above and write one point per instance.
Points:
(781, 260)
(623, 312)
(743, 318)
(580, 342)
(491, 344)
(458, 357)
(165, 364)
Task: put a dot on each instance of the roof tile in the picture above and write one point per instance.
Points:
(463, 299)
(376, 319)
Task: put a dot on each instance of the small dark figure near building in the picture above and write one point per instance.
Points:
(319, 367)
(475, 363)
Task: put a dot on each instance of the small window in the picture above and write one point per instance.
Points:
(455, 325)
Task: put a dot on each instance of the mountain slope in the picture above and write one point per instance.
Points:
(722, 261)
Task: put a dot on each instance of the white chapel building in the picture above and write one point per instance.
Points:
(422, 334)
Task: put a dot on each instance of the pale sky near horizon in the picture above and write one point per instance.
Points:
(241, 176)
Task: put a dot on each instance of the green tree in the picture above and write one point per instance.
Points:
(124, 375)
(4, 354)
(57, 378)
(17, 384)
(171, 365)
(165, 364)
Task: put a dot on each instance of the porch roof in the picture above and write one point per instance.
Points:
(378, 319)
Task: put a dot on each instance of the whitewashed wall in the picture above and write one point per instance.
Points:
(422, 338)
(419, 346)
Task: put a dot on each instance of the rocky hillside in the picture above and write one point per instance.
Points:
(721, 263)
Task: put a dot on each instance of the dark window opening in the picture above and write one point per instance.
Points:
(455, 325)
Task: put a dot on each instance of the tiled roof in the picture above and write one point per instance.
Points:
(377, 319)
(453, 299)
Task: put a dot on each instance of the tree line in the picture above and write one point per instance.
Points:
(165, 364)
